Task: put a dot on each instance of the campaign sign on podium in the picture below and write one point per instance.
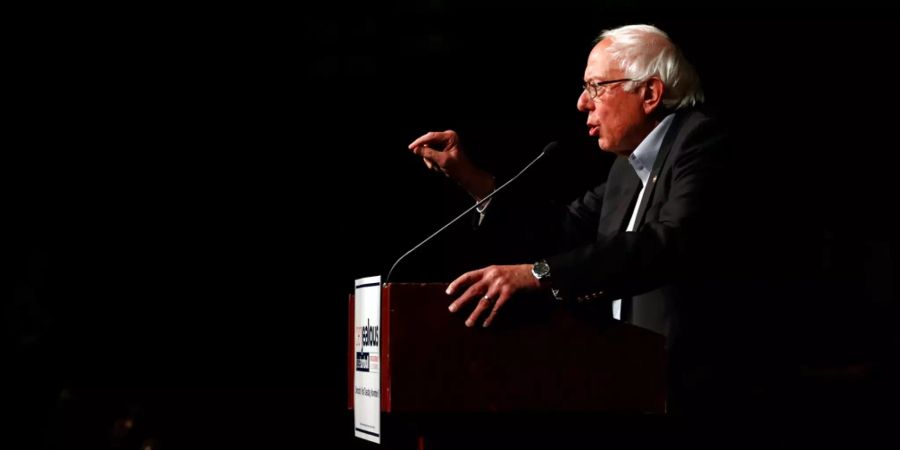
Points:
(367, 343)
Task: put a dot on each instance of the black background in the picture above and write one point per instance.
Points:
(194, 192)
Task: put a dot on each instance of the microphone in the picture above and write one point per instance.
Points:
(549, 148)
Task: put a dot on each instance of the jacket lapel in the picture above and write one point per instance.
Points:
(618, 202)
(657, 168)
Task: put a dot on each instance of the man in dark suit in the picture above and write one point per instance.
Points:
(638, 240)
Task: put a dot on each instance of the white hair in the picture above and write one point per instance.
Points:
(644, 51)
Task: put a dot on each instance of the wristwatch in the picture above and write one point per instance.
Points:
(541, 270)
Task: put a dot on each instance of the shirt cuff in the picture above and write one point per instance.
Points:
(556, 294)
(481, 209)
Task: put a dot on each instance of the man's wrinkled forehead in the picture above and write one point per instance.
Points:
(599, 64)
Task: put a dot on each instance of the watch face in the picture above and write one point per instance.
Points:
(540, 269)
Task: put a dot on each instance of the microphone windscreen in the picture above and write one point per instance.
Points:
(552, 147)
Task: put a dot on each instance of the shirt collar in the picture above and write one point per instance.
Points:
(643, 157)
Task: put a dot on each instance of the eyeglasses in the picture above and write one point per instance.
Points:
(596, 88)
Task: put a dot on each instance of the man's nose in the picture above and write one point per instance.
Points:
(585, 103)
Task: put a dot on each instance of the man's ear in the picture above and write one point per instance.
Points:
(652, 95)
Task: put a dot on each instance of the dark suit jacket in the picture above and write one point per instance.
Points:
(657, 267)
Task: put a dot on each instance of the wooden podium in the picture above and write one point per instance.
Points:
(537, 357)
